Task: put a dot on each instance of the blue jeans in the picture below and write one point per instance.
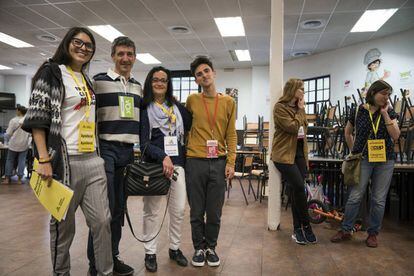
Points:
(117, 156)
(11, 158)
(380, 175)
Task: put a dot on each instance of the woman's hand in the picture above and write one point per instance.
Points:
(45, 171)
(301, 103)
(168, 167)
(384, 109)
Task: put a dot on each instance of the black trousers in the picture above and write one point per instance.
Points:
(116, 156)
(206, 186)
(295, 175)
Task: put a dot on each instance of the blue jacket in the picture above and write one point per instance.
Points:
(154, 148)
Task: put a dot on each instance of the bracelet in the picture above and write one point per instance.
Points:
(44, 160)
(389, 124)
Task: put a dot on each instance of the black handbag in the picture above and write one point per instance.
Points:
(145, 179)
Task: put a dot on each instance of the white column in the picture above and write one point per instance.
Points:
(276, 86)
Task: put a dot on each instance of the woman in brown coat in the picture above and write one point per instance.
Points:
(290, 154)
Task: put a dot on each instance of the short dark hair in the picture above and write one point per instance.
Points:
(376, 87)
(373, 63)
(198, 61)
(21, 109)
(148, 91)
(122, 41)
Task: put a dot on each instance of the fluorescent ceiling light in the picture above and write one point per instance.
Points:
(14, 41)
(106, 31)
(243, 55)
(372, 20)
(230, 26)
(147, 59)
(2, 67)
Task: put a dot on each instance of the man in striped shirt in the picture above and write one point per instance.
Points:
(118, 98)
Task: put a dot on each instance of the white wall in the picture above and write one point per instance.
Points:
(347, 64)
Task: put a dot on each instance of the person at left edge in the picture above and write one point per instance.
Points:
(61, 117)
(118, 98)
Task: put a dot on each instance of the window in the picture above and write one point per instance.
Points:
(317, 93)
(183, 85)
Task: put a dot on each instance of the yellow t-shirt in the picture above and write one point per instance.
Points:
(224, 130)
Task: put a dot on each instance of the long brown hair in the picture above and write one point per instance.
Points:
(289, 91)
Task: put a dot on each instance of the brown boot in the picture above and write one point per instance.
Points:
(341, 236)
(371, 241)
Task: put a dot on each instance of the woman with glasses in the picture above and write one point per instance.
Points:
(163, 125)
(61, 117)
(376, 129)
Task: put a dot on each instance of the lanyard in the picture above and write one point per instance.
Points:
(374, 127)
(213, 121)
(88, 95)
(170, 113)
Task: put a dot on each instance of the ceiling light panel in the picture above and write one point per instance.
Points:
(106, 31)
(12, 41)
(372, 20)
(2, 67)
(243, 55)
(147, 58)
(230, 26)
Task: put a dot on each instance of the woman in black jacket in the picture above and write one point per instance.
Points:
(164, 122)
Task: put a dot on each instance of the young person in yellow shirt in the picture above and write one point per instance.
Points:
(211, 153)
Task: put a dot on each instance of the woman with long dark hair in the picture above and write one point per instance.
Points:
(61, 117)
(164, 122)
(290, 154)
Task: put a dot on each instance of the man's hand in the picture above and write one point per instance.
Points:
(229, 172)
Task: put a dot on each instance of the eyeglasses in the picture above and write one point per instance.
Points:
(78, 43)
(155, 80)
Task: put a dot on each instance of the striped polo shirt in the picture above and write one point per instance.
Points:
(111, 127)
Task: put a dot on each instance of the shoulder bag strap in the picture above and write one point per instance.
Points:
(132, 229)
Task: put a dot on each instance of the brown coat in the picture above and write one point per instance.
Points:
(287, 123)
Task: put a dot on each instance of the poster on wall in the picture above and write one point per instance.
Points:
(373, 62)
(234, 93)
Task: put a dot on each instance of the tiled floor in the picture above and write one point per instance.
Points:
(245, 245)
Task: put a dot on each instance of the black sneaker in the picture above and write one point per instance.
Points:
(212, 258)
(199, 258)
(151, 262)
(309, 235)
(121, 268)
(178, 256)
(298, 236)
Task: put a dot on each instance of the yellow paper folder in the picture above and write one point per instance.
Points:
(55, 198)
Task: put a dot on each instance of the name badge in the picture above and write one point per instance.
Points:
(212, 149)
(126, 107)
(171, 145)
(376, 151)
(301, 133)
(86, 141)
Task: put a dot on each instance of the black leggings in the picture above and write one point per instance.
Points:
(295, 175)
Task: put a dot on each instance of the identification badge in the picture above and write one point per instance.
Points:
(301, 133)
(212, 149)
(171, 145)
(86, 141)
(376, 151)
(126, 107)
